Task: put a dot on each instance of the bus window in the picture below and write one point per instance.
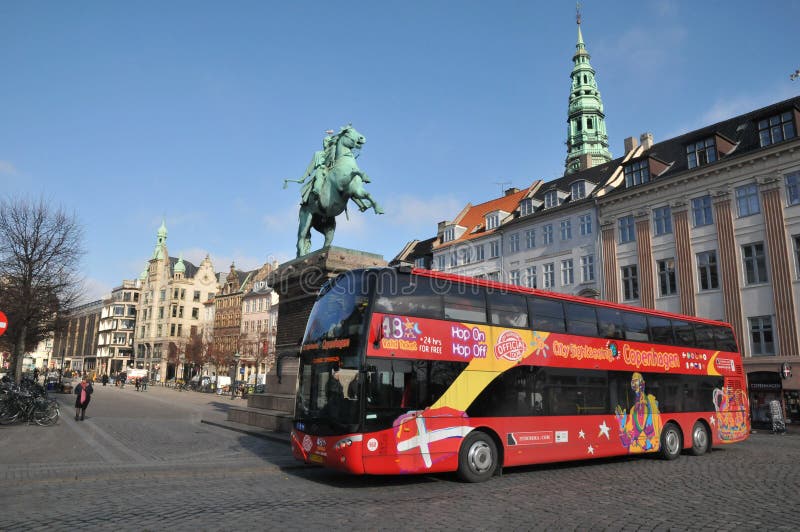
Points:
(508, 310)
(470, 305)
(704, 335)
(725, 340)
(660, 330)
(610, 323)
(413, 296)
(684, 333)
(546, 314)
(581, 319)
(635, 326)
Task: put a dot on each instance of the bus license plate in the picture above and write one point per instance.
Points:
(315, 458)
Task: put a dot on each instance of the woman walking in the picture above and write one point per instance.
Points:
(84, 394)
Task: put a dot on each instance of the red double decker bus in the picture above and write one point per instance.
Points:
(415, 371)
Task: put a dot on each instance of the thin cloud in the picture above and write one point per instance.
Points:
(94, 289)
(7, 168)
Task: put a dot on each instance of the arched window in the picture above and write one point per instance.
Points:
(578, 190)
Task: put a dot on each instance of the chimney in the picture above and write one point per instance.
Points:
(585, 161)
(512, 190)
(647, 140)
(631, 144)
(440, 228)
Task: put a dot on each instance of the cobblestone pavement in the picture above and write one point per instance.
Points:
(143, 461)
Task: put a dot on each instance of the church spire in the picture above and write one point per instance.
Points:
(587, 140)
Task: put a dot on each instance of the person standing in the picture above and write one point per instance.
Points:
(84, 394)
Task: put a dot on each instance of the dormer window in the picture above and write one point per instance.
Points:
(578, 190)
(449, 234)
(637, 173)
(551, 199)
(776, 128)
(526, 207)
(492, 221)
(702, 152)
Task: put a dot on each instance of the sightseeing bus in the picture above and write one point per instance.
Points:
(415, 371)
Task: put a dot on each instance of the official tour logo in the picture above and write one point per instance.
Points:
(510, 346)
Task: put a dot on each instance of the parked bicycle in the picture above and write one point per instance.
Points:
(27, 402)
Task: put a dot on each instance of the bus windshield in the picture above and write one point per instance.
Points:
(327, 395)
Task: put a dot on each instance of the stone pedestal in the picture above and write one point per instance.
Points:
(297, 282)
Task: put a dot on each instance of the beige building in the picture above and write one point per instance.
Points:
(259, 327)
(173, 293)
(708, 224)
(116, 330)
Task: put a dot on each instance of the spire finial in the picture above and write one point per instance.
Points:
(578, 13)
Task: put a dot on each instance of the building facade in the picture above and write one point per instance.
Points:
(173, 292)
(259, 327)
(117, 328)
(75, 347)
(708, 224)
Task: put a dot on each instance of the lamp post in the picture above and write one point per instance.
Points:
(233, 374)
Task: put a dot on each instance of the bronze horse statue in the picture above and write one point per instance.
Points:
(336, 179)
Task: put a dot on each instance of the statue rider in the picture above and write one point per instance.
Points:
(318, 169)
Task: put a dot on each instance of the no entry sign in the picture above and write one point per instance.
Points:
(3, 323)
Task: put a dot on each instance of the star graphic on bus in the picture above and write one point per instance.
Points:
(581, 434)
(411, 329)
(712, 420)
(539, 345)
(604, 430)
(590, 450)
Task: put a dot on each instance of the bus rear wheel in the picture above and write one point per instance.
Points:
(701, 442)
(477, 459)
(671, 442)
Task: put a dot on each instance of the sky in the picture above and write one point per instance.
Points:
(194, 112)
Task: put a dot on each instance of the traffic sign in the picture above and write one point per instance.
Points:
(3, 323)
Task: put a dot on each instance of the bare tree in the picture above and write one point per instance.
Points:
(40, 252)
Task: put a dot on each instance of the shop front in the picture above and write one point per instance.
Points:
(773, 382)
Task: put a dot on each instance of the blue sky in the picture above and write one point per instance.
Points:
(127, 112)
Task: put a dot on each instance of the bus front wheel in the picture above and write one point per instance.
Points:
(477, 459)
(701, 442)
(671, 442)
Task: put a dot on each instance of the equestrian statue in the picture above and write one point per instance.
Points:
(331, 180)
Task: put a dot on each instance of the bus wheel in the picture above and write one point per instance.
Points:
(671, 445)
(477, 459)
(700, 440)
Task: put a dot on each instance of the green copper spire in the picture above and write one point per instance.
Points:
(143, 275)
(161, 242)
(180, 267)
(586, 125)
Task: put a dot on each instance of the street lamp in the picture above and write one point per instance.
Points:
(233, 374)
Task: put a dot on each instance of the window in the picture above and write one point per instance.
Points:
(549, 275)
(419, 262)
(547, 234)
(700, 153)
(453, 259)
(587, 268)
(635, 327)
(479, 254)
(513, 243)
(747, 200)
(566, 229)
(195, 313)
(466, 305)
(755, 263)
(163, 294)
(586, 224)
(513, 277)
(530, 238)
(627, 232)
(581, 319)
(567, 274)
(776, 128)
(196, 296)
(707, 270)
(637, 173)
(796, 239)
(494, 249)
(448, 234)
(610, 323)
(793, 188)
(440, 261)
(158, 330)
(526, 207)
(466, 255)
(630, 282)
(701, 211)
(546, 314)
(551, 199)
(160, 313)
(667, 283)
(761, 336)
(508, 310)
(492, 221)
(530, 276)
(578, 190)
(660, 330)
(662, 220)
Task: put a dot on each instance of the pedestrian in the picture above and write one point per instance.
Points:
(105, 379)
(144, 383)
(83, 391)
(136, 382)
